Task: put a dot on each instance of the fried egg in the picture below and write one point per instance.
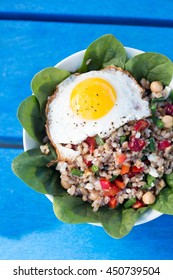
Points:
(93, 103)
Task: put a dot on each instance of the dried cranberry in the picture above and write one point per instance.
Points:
(162, 145)
(169, 109)
(141, 125)
(136, 144)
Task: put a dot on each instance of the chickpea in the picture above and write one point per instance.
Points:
(65, 184)
(156, 87)
(93, 195)
(168, 121)
(148, 198)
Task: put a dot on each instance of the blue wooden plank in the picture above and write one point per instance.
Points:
(120, 8)
(28, 47)
(27, 218)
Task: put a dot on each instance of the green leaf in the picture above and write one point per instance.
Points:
(73, 210)
(44, 84)
(164, 202)
(105, 51)
(152, 66)
(29, 116)
(169, 180)
(171, 96)
(31, 167)
(119, 222)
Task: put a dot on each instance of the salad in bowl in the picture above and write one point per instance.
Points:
(98, 136)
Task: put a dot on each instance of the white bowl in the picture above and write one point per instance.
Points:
(72, 63)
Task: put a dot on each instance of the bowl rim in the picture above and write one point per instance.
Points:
(66, 64)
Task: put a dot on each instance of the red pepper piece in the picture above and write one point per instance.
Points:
(105, 183)
(136, 144)
(119, 184)
(113, 202)
(141, 125)
(125, 169)
(87, 162)
(138, 204)
(121, 158)
(112, 191)
(92, 143)
(137, 170)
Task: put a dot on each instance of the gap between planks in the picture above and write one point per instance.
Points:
(86, 19)
(11, 142)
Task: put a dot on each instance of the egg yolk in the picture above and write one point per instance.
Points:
(92, 98)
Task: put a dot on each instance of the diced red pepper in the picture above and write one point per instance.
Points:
(119, 184)
(92, 143)
(136, 144)
(162, 145)
(112, 191)
(125, 169)
(113, 202)
(134, 170)
(137, 170)
(121, 158)
(105, 183)
(87, 162)
(141, 125)
(138, 204)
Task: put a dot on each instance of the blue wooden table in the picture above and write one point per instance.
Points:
(38, 34)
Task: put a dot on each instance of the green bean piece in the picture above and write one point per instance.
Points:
(77, 172)
(153, 107)
(145, 187)
(150, 180)
(159, 123)
(123, 138)
(99, 140)
(113, 178)
(152, 144)
(94, 168)
(156, 100)
(129, 202)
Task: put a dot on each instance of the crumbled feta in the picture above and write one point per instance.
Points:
(153, 172)
(138, 135)
(61, 166)
(45, 149)
(152, 157)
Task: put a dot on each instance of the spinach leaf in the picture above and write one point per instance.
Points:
(73, 210)
(171, 96)
(29, 117)
(120, 221)
(31, 167)
(169, 180)
(105, 51)
(44, 84)
(152, 66)
(164, 202)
